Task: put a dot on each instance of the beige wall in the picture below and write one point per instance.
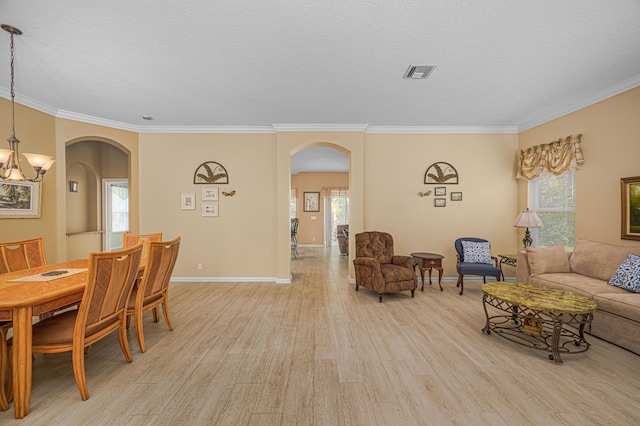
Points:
(394, 174)
(240, 242)
(611, 149)
(311, 231)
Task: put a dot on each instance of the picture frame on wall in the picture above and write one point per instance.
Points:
(20, 200)
(439, 191)
(630, 208)
(311, 202)
(210, 208)
(440, 202)
(188, 201)
(210, 193)
(456, 196)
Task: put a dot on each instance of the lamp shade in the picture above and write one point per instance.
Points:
(528, 219)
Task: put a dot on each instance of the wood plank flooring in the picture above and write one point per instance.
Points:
(318, 353)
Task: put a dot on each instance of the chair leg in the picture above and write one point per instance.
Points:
(413, 292)
(380, 296)
(124, 343)
(155, 314)
(77, 356)
(139, 330)
(357, 286)
(165, 313)
(461, 282)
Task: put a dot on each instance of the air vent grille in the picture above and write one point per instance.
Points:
(418, 72)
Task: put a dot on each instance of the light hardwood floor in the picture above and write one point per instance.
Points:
(318, 353)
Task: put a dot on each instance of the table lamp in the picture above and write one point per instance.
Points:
(527, 219)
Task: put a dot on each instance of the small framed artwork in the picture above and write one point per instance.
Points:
(440, 202)
(209, 208)
(188, 201)
(456, 196)
(20, 200)
(439, 191)
(311, 202)
(630, 196)
(210, 193)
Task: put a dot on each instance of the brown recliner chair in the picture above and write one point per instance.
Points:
(343, 239)
(378, 269)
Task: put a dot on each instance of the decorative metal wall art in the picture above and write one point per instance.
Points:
(441, 173)
(210, 172)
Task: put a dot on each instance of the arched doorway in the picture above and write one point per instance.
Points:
(90, 163)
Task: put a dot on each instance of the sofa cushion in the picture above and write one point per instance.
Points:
(545, 260)
(628, 274)
(599, 260)
(392, 273)
(476, 252)
(576, 283)
(625, 304)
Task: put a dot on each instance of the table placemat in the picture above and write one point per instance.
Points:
(49, 276)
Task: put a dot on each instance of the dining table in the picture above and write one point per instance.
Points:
(23, 296)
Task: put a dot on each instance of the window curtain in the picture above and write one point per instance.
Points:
(556, 157)
(334, 192)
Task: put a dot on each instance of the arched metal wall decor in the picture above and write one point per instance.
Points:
(441, 173)
(210, 172)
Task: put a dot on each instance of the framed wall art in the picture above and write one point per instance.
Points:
(311, 202)
(630, 196)
(456, 196)
(188, 201)
(440, 191)
(209, 208)
(210, 193)
(440, 202)
(20, 200)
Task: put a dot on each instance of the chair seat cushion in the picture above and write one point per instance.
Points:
(55, 330)
(134, 294)
(483, 269)
(392, 273)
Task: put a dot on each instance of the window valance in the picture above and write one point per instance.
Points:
(335, 192)
(556, 157)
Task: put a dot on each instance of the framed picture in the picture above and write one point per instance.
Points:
(188, 201)
(630, 195)
(210, 193)
(209, 208)
(440, 191)
(456, 196)
(20, 199)
(311, 202)
(440, 202)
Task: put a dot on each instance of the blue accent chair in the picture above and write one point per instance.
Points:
(467, 268)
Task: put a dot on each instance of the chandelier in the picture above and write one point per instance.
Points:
(10, 169)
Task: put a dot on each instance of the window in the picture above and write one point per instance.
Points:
(293, 204)
(553, 198)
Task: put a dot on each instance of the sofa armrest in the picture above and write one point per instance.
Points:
(523, 270)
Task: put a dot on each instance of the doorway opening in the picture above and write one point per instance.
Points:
(115, 212)
(336, 209)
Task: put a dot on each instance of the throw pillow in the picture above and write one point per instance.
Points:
(628, 274)
(547, 260)
(476, 252)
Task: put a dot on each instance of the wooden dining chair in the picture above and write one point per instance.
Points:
(22, 254)
(102, 310)
(153, 289)
(15, 256)
(130, 240)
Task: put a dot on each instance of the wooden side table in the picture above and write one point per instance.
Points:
(428, 261)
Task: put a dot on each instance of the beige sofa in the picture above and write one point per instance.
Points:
(587, 271)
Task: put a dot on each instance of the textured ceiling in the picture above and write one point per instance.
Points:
(203, 63)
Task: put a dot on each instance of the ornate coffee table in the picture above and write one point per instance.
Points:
(538, 316)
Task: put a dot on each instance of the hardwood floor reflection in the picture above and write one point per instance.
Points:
(317, 353)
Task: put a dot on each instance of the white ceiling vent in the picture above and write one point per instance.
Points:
(418, 72)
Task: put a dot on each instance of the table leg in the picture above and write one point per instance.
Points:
(422, 278)
(22, 362)
(440, 272)
(555, 340)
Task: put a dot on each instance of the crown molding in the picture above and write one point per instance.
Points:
(206, 129)
(599, 96)
(320, 127)
(442, 129)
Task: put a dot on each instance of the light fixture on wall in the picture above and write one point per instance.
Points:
(528, 219)
(73, 186)
(10, 169)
